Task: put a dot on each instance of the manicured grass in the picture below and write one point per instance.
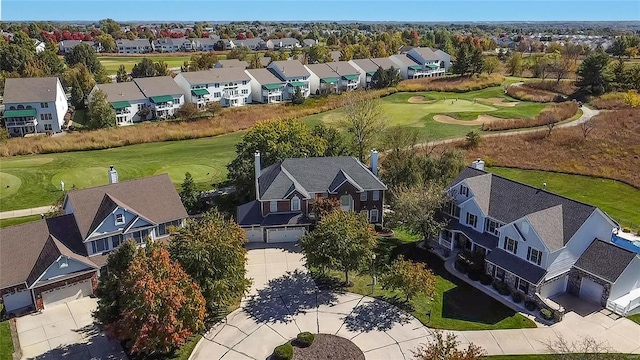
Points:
(18, 220)
(112, 63)
(405, 236)
(38, 176)
(543, 357)
(635, 318)
(6, 344)
(398, 111)
(455, 306)
(617, 199)
(185, 351)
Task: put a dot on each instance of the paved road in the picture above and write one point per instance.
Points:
(284, 301)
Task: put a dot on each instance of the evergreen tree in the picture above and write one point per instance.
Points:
(190, 195)
(298, 97)
(594, 77)
(101, 114)
(122, 75)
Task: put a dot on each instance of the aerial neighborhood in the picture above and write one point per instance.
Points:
(319, 190)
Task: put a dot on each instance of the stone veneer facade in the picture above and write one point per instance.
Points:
(575, 279)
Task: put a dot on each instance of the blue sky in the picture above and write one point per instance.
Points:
(308, 10)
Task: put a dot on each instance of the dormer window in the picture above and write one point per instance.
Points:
(464, 190)
(119, 219)
(295, 204)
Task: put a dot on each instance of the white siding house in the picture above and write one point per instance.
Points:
(129, 103)
(165, 96)
(294, 74)
(34, 105)
(229, 86)
(266, 88)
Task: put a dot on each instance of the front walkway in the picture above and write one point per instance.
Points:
(25, 212)
(284, 301)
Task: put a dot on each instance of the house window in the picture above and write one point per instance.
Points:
(376, 195)
(116, 240)
(522, 285)
(217, 94)
(245, 91)
(163, 229)
(273, 206)
(499, 273)
(363, 196)
(295, 204)
(140, 236)
(48, 127)
(535, 256)
(345, 201)
(452, 209)
(244, 82)
(510, 245)
(216, 85)
(472, 219)
(119, 219)
(373, 216)
(464, 190)
(99, 246)
(140, 106)
(44, 105)
(492, 226)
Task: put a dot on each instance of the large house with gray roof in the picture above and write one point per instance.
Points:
(294, 74)
(323, 79)
(287, 190)
(129, 103)
(229, 86)
(164, 95)
(135, 46)
(537, 242)
(34, 105)
(56, 260)
(266, 88)
(349, 76)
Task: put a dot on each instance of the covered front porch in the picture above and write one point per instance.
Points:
(457, 238)
(21, 122)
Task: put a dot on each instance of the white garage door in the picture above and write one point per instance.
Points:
(17, 300)
(254, 235)
(554, 287)
(591, 290)
(284, 235)
(67, 293)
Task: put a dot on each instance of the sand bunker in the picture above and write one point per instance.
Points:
(499, 102)
(482, 119)
(420, 100)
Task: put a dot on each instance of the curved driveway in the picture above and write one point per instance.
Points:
(284, 301)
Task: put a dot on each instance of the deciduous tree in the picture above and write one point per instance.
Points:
(211, 250)
(416, 207)
(188, 111)
(86, 54)
(101, 114)
(515, 64)
(445, 347)
(324, 206)
(276, 140)
(385, 78)
(336, 142)
(161, 306)
(319, 54)
(342, 240)
(410, 277)
(363, 121)
(491, 65)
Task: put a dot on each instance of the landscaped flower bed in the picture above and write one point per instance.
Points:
(326, 346)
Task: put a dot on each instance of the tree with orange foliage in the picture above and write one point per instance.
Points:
(161, 307)
(445, 347)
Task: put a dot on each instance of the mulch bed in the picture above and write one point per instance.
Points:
(328, 347)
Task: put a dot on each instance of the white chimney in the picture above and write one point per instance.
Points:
(113, 175)
(478, 164)
(374, 162)
(256, 158)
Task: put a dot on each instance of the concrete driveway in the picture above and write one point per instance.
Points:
(65, 331)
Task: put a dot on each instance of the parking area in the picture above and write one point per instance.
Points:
(269, 261)
(65, 331)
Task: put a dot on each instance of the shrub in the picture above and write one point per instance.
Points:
(501, 287)
(517, 297)
(452, 83)
(485, 279)
(474, 275)
(566, 87)
(473, 139)
(530, 305)
(559, 112)
(461, 266)
(283, 352)
(546, 314)
(305, 339)
(626, 230)
(527, 93)
(610, 101)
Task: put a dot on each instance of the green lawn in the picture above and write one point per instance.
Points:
(398, 111)
(112, 63)
(6, 344)
(19, 220)
(456, 305)
(635, 318)
(37, 177)
(617, 199)
(542, 357)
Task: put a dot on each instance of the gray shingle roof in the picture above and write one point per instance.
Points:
(249, 214)
(23, 90)
(264, 76)
(285, 219)
(385, 63)
(124, 91)
(407, 61)
(155, 198)
(366, 65)
(313, 175)
(426, 53)
(511, 200)
(605, 260)
(157, 86)
(343, 68)
(290, 68)
(232, 63)
(25, 249)
(212, 76)
(249, 42)
(548, 225)
(483, 239)
(481, 188)
(516, 265)
(285, 41)
(323, 71)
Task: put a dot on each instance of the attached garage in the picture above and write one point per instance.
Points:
(17, 300)
(591, 290)
(67, 293)
(554, 287)
(290, 234)
(254, 234)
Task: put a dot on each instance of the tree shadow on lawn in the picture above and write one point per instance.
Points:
(376, 315)
(287, 296)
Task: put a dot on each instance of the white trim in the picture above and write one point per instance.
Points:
(526, 218)
(358, 187)
(512, 273)
(384, 187)
(92, 267)
(594, 275)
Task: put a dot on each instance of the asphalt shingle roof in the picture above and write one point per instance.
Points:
(212, 76)
(426, 53)
(367, 65)
(153, 198)
(313, 175)
(605, 260)
(264, 76)
(157, 86)
(124, 91)
(36, 89)
(323, 71)
(290, 68)
(516, 265)
(232, 63)
(343, 68)
(511, 200)
(249, 214)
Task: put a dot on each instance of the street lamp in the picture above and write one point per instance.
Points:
(373, 273)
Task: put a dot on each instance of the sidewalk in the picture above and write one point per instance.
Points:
(25, 212)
